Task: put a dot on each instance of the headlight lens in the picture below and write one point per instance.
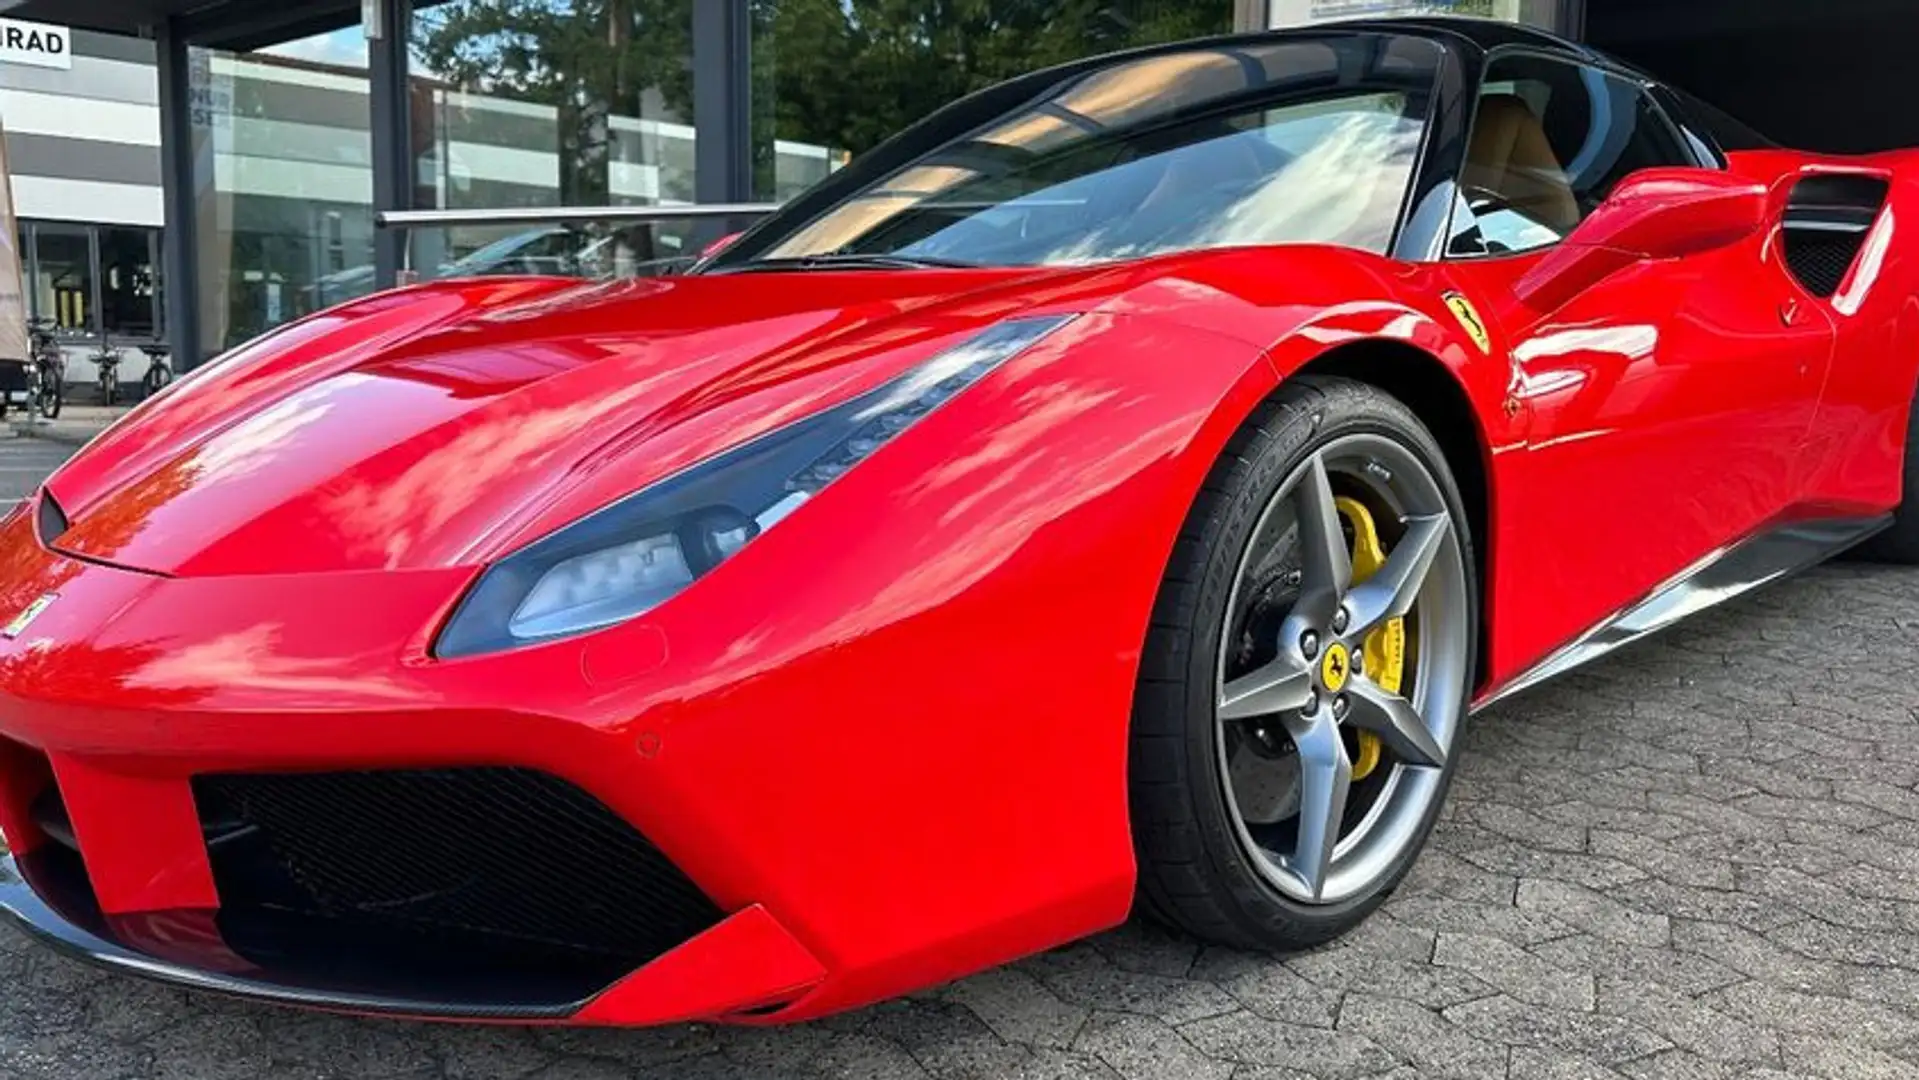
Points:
(633, 555)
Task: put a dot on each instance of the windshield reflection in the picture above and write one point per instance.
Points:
(1262, 142)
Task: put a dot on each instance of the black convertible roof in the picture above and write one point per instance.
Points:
(1486, 34)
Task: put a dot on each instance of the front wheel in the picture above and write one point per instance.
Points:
(109, 386)
(52, 396)
(1305, 682)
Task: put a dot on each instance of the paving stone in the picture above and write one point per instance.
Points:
(863, 1057)
(1516, 972)
(1253, 1040)
(1688, 1023)
(1141, 1048)
(1524, 826)
(1662, 860)
(487, 1053)
(1048, 1064)
(1592, 871)
(1607, 1039)
(1832, 1017)
(1430, 1043)
(945, 1039)
(1761, 913)
(1686, 972)
(1148, 948)
(1268, 987)
(1682, 1065)
(1593, 913)
(1844, 1060)
(1544, 1063)
(1501, 920)
(1090, 982)
(1759, 957)
(1019, 1008)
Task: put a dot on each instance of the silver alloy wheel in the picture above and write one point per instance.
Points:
(1339, 846)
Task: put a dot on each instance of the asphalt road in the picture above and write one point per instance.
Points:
(1697, 859)
(24, 463)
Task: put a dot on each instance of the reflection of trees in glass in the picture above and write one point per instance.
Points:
(847, 73)
(835, 73)
(588, 59)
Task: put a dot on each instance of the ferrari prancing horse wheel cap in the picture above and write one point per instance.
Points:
(1335, 667)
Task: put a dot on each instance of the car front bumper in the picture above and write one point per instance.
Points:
(761, 791)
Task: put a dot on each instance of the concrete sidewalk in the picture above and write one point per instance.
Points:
(77, 425)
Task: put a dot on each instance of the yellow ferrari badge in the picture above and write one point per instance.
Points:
(21, 621)
(1334, 667)
(1469, 320)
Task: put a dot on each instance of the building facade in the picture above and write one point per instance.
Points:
(218, 170)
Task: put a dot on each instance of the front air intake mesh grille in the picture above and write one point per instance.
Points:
(503, 856)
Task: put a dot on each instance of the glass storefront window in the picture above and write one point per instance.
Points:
(62, 274)
(128, 303)
(550, 103)
(283, 175)
(831, 78)
(89, 279)
(1540, 13)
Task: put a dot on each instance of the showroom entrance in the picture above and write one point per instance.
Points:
(1829, 76)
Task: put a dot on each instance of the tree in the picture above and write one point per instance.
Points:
(847, 73)
(842, 74)
(588, 59)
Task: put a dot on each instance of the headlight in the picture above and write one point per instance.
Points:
(633, 555)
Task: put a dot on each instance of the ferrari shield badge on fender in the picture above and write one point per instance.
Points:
(25, 619)
(1469, 320)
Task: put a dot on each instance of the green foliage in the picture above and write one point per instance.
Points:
(847, 73)
(587, 58)
(837, 73)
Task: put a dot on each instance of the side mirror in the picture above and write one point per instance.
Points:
(1652, 214)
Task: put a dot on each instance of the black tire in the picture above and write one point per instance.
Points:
(51, 398)
(109, 387)
(1194, 874)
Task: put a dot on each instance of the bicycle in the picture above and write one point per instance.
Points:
(108, 361)
(159, 370)
(47, 371)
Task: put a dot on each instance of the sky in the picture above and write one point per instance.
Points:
(345, 47)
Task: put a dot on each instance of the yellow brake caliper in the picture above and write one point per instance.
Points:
(1385, 648)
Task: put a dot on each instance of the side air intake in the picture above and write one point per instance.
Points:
(1827, 220)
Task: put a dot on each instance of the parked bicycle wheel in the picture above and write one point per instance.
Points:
(52, 394)
(157, 377)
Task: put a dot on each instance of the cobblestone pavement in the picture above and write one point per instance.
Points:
(1697, 859)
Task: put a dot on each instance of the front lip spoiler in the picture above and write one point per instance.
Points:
(81, 932)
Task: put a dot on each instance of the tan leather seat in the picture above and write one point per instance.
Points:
(1512, 157)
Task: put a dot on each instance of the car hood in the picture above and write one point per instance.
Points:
(439, 425)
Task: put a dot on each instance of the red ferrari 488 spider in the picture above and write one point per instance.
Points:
(1119, 488)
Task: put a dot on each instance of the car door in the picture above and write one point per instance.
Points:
(1663, 408)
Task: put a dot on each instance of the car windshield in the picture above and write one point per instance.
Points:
(1281, 141)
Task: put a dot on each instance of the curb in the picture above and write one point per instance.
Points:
(23, 429)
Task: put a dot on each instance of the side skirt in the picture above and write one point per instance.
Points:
(1724, 575)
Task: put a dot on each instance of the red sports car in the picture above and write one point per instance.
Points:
(1119, 488)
